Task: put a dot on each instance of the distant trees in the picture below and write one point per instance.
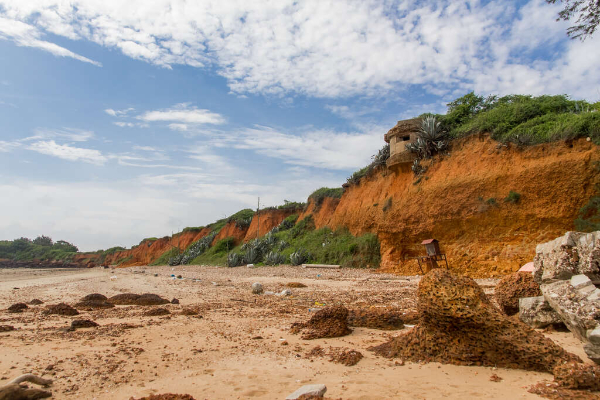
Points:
(587, 13)
(43, 241)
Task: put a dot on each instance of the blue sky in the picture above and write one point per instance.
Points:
(122, 120)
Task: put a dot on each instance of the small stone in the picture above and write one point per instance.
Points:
(175, 301)
(308, 391)
(257, 288)
(286, 292)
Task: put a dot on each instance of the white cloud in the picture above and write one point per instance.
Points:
(67, 152)
(178, 127)
(6, 147)
(329, 48)
(29, 36)
(118, 113)
(69, 134)
(181, 114)
(318, 148)
(145, 148)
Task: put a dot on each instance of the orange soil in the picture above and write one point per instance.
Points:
(269, 219)
(231, 230)
(449, 203)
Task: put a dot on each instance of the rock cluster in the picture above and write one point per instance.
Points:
(459, 325)
(566, 269)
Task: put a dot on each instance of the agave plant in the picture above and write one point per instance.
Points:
(299, 257)
(382, 156)
(234, 260)
(252, 256)
(175, 260)
(197, 248)
(270, 240)
(283, 244)
(274, 258)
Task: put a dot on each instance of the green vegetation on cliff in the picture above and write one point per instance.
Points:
(41, 248)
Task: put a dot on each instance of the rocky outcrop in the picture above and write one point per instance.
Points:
(459, 325)
(566, 268)
(512, 287)
(537, 313)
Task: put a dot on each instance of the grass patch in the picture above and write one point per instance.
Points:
(491, 201)
(164, 257)
(319, 195)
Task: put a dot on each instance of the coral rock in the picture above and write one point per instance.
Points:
(512, 287)
(326, 323)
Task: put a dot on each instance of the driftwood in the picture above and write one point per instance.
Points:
(15, 391)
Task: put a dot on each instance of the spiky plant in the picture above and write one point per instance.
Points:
(299, 257)
(252, 256)
(234, 260)
(270, 240)
(274, 258)
(283, 244)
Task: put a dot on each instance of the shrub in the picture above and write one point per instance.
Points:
(224, 245)
(252, 255)
(491, 201)
(513, 197)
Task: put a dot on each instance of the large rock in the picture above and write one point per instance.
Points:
(459, 325)
(308, 391)
(537, 313)
(512, 287)
(326, 323)
(577, 302)
(573, 253)
(257, 288)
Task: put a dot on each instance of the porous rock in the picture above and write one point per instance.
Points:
(512, 287)
(459, 325)
(155, 312)
(36, 302)
(146, 299)
(537, 313)
(94, 304)
(94, 297)
(578, 376)
(17, 308)
(325, 323)
(83, 323)
(376, 318)
(61, 309)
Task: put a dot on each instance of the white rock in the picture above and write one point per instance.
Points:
(579, 281)
(286, 292)
(308, 390)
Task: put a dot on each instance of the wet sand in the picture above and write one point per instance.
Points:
(239, 348)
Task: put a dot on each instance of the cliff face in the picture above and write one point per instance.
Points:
(269, 219)
(460, 201)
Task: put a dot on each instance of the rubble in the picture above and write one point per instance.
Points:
(512, 287)
(459, 325)
(537, 313)
(325, 323)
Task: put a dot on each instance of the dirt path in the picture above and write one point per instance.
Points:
(240, 348)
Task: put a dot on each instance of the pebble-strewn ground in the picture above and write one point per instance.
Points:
(232, 345)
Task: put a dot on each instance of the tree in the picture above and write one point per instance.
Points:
(65, 246)
(43, 241)
(587, 13)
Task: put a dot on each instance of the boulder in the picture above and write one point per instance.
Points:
(574, 253)
(257, 288)
(61, 309)
(512, 287)
(459, 325)
(537, 313)
(17, 308)
(308, 391)
(326, 323)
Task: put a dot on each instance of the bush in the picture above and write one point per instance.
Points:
(513, 197)
(234, 260)
(224, 245)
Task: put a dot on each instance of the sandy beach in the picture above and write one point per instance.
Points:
(237, 346)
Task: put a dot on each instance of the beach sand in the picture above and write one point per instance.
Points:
(239, 348)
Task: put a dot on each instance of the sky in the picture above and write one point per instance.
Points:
(127, 119)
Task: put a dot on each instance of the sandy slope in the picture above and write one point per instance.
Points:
(219, 355)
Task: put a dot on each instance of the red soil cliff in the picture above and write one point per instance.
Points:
(451, 203)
